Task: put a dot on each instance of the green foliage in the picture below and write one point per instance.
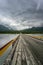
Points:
(26, 31)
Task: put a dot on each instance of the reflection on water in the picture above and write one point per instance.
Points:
(4, 38)
(4, 56)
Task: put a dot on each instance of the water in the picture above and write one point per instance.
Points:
(4, 38)
(4, 56)
(36, 34)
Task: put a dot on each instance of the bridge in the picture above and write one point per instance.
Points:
(26, 50)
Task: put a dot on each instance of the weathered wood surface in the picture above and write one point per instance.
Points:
(24, 53)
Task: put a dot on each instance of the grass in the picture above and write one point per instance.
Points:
(38, 37)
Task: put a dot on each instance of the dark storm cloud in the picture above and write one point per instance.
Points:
(26, 13)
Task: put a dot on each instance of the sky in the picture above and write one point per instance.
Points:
(21, 14)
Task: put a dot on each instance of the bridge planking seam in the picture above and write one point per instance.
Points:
(23, 55)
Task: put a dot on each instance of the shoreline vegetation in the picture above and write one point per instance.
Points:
(33, 30)
(23, 32)
(20, 32)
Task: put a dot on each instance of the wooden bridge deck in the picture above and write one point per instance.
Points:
(26, 51)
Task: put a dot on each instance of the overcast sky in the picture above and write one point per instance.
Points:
(21, 14)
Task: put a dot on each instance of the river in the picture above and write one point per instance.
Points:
(5, 38)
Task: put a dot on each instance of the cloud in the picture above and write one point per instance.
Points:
(6, 20)
(21, 14)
